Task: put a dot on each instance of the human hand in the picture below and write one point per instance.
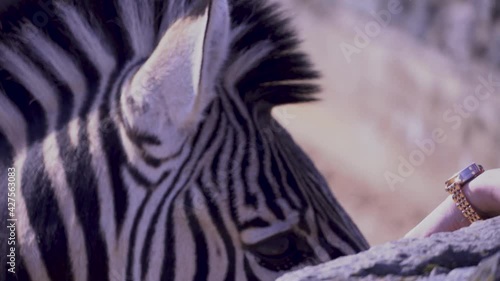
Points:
(483, 193)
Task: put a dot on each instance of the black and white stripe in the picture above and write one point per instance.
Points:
(145, 148)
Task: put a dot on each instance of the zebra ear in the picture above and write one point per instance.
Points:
(176, 83)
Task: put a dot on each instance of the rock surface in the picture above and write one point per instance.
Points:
(471, 253)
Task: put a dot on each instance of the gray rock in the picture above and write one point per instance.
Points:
(471, 253)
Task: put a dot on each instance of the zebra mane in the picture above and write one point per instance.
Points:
(265, 63)
(285, 75)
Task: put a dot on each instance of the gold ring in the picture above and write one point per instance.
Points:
(455, 184)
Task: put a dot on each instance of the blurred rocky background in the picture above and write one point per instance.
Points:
(410, 96)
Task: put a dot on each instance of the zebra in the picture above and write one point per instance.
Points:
(141, 142)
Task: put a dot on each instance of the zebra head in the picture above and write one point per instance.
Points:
(144, 146)
(245, 202)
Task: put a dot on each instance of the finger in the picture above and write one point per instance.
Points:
(445, 218)
(483, 193)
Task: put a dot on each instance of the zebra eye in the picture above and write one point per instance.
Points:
(281, 252)
(274, 247)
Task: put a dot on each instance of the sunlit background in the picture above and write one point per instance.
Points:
(419, 79)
